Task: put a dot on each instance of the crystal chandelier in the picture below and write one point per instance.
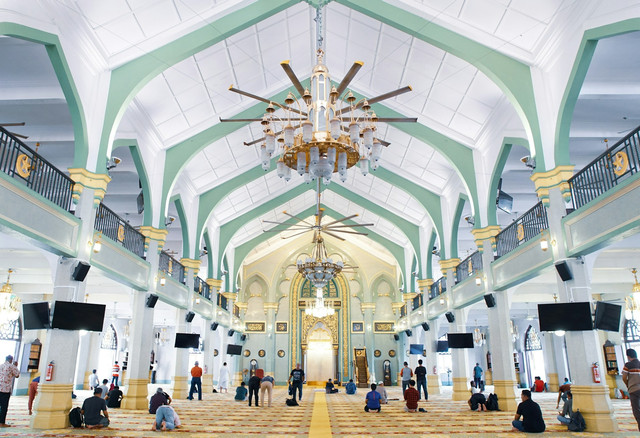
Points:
(318, 308)
(323, 130)
(318, 268)
(478, 336)
(632, 301)
(9, 303)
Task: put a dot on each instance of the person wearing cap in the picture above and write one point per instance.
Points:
(8, 371)
(383, 393)
(92, 408)
(158, 399)
(196, 381)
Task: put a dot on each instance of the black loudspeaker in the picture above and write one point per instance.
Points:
(81, 271)
(231, 332)
(214, 326)
(450, 316)
(409, 333)
(563, 271)
(152, 300)
(189, 316)
(396, 337)
(490, 300)
(243, 337)
(425, 326)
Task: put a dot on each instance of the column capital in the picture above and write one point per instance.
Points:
(229, 295)
(150, 233)
(214, 283)
(268, 306)
(554, 178)
(406, 297)
(242, 306)
(397, 306)
(368, 306)
(191, 264)
(84, 179)
(480, 234)
(449, 263)
(425, 282)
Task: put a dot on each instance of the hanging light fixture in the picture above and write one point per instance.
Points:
(514, 330)
(323, 130)
(632, 302)
(318, 308)
(9, 303)
(478, 336)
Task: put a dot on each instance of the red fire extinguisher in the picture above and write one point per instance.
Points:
(595, 370)
(49, 373)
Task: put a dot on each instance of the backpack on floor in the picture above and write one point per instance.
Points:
(577, 423)
(75, 417)
(291, 402)
(492, 403)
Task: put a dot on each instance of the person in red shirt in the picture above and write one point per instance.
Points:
(196, 381)
(411, 395)
(538, 385)
(115, 373)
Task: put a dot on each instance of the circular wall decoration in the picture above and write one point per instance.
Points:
(247, 353)
(215, 352)
(392, 353)
(280, 353)
(424, 353)
(377, 353)
(261, 353)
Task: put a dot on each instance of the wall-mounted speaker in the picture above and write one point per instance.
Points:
(189, 316)
(231, 332)
(450, 316)
(243, 337)
(425, 326)
(563, 271)
(81, 271)
(409, 333)
(152, 299)
(214, 326)
(490, 300)
(396, 337)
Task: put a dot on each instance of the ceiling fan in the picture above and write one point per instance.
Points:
(15, 133)
(304, 226)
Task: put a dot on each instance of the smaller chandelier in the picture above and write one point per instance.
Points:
(478, 336)
(633, 301)
(319, 269)
(9, 303)
(318, 308)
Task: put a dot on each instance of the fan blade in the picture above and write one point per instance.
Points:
(251, 143)
(384, 143)
(292, 76)
(297, 218)
(281, 223)
(296, 234)
(19, 135)
(254, 120)
(333, 235)
(13, 124)
(398, 119)
(351, 226)
(376, 99)
(262, 99)
(349, 76)
(341, 220)
(347, 232)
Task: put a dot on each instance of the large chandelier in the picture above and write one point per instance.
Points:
(323, 130)
(9, 303)
(318, 268)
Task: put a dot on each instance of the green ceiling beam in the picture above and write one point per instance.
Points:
(512, 76)
(243, 250)
(54, 50)
(134, 149)
(503, 155)
(128, 79)
(576, 79)
(457, 214)
(184, 226)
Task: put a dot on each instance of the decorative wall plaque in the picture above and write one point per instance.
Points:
(392, 353)
(280, 353)
(383, 327)
(282, 326)
(377, 353)
(261, 353)
(357, 327)
(215, 352)
(247, 353)
(255, 327)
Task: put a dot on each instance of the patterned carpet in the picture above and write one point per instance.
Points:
(218, 415)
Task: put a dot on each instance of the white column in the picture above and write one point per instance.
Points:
(459, 358)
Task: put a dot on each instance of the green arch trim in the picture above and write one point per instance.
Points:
(503, 155)
(457, 214)
(131, 77)
(207, 241)
(138, 162)
(65, 78)
(243, 250)
(512, 77)
(432, 242)
(184, 226)
(576, 79)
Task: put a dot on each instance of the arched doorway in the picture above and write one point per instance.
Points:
(108, 352)
(320, 363)
(534, 355)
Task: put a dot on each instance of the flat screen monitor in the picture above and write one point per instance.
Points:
(187, 340)
(416, 348)
(504, 202)
(442, 347)
(234, 350)
(35, 316)
(460, 340)
(68, 315)
(607, 316)
(569, 317)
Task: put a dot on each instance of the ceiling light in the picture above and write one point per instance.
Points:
(559, 332)
(324, 129)
(163, 280)
(478, 280)
(544, 243)
(9, 303)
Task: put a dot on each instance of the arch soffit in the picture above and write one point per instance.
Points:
(65, 79)
(184, 226)
(141, 170)
(576, 80)
(256, 277)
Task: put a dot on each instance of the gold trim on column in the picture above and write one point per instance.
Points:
(556, 177)
(191, 264)
(84, 179)
(480, 234)
(137, 393)
(425, 284)
(449, 264)
(268, 306)
(406, 297)
(150, 233)
(52, 406)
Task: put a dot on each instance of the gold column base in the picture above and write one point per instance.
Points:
(136, 396)
(505, 390)
(52, 406)
(460, 389)
(488, 377)
(85, 385)
(433, 384)
(610, 381)
(595, 406)
(553, 382)
(180, 388)
(207, 383)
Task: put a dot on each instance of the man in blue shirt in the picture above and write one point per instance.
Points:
(373, 399)
(350, 388)
(477, 376)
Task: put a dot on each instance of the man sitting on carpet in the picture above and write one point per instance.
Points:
(411, 396)
(329, 388)
(241, 392)
(91, 409)
(350, 388)
(373, 399)
(158, 399)
(114, 397)
(533, 421)
(383, 393)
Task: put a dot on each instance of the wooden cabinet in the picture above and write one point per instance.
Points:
(31, 356)
(610, 360)
(516, 366)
